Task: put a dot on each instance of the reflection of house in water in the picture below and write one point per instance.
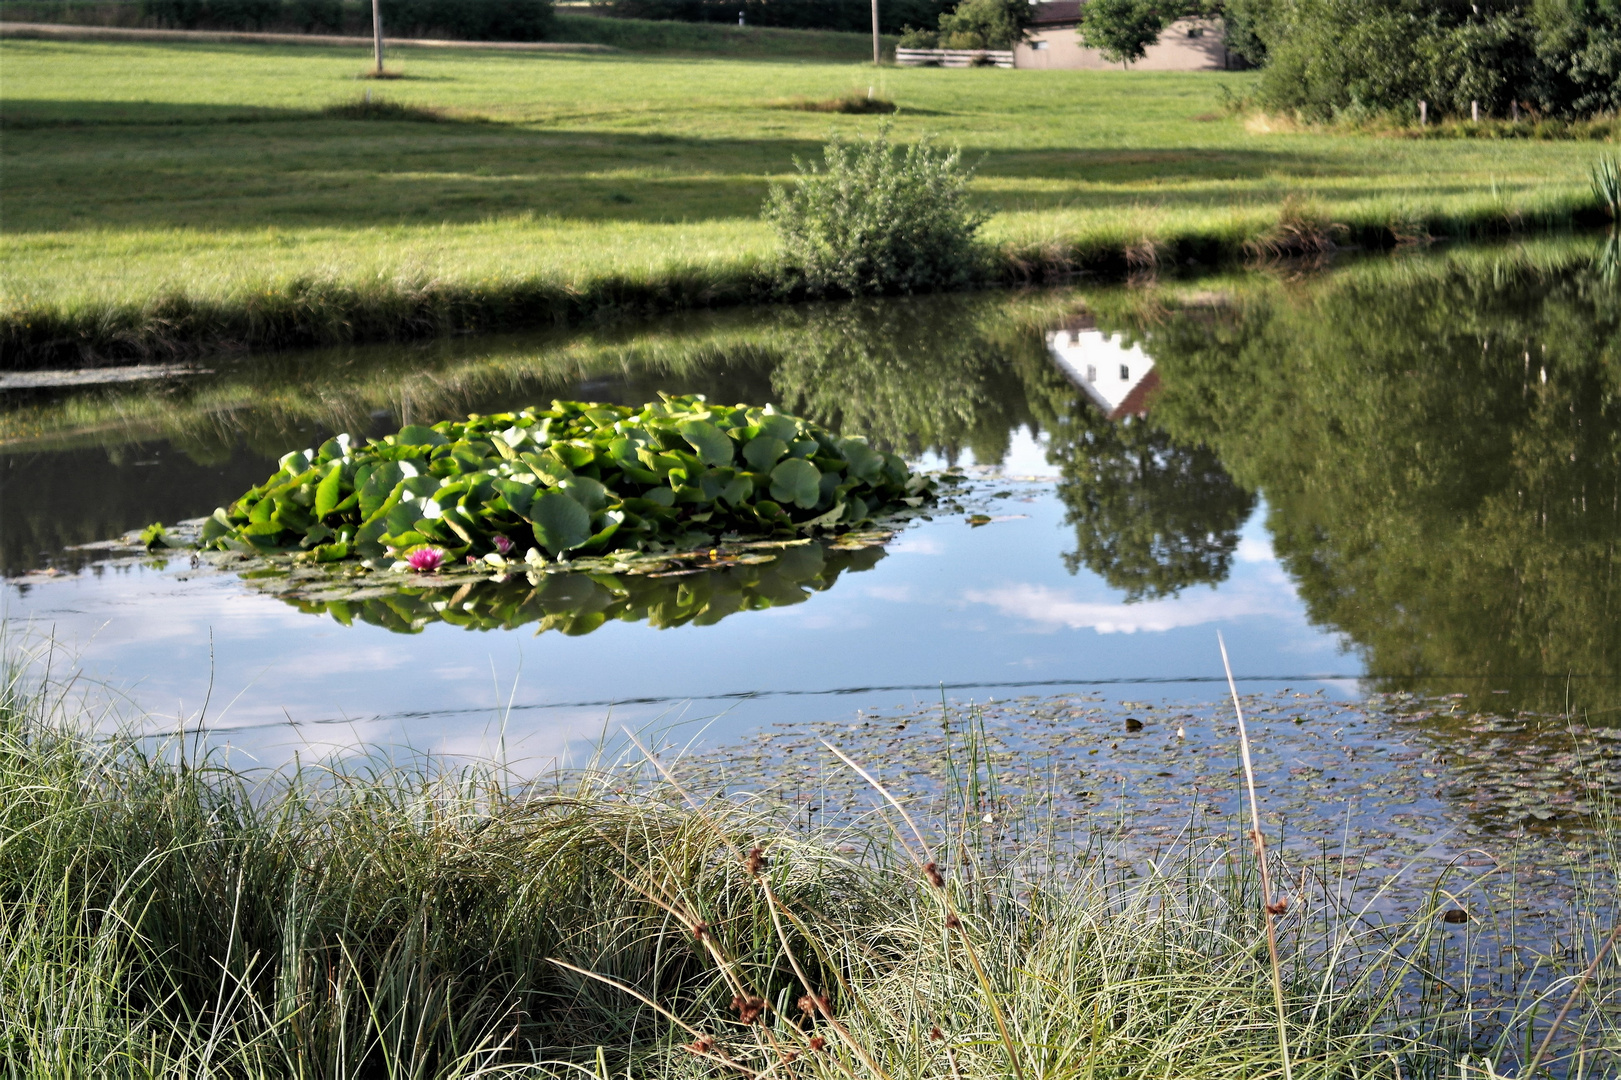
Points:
(1119, 378)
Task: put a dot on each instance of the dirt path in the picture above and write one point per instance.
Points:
(65, 32)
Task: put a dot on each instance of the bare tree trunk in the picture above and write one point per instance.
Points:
(877, 56)
(377, 32)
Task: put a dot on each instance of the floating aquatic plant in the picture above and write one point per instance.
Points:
(572, 479)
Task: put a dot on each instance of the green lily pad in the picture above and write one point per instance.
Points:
(560, 522)
(797, 481)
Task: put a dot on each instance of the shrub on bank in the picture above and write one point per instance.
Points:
(1327, 59)
(875, 218)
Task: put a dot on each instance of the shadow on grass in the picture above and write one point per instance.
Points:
(355, 163)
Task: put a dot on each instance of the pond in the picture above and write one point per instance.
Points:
(1393, 487)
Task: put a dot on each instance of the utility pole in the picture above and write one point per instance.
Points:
(377, 31)
(877, 56)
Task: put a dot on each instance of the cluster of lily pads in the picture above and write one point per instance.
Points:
(571, 480)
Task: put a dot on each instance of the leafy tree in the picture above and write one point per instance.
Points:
(1122, 30)
(985, 24)
(1440, 453)
(1327, 58)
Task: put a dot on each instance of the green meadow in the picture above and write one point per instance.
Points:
(164, 197)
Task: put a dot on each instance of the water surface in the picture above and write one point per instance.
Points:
(1389, 477)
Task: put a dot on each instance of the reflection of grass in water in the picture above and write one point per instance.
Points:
(434, 920)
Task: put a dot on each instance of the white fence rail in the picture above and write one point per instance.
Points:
(954, 58)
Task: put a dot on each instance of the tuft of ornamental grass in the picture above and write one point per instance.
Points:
(851, 104)
(1607, 184)
(162, 913)
(370, 108)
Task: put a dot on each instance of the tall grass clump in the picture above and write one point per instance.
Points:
(1607, 184)
(164, 914)
(876, 218)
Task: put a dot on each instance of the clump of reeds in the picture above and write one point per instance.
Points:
(851, 104)
(163, 914)
(1302, 231)
(370, 108)
(1607, 184)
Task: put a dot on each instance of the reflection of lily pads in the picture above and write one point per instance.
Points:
(578, 603)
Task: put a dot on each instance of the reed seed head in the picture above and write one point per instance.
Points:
(812, 1004)
(749, 1008)
(932, 872)
(756, 861)
(703, 1044)
(952, 922)
(1278, 906)
(936, 1035)
(818, 1044)
(700, 930)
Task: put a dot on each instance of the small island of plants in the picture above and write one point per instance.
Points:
(546, 484)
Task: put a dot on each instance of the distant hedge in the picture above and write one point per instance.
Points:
(471, 20)
(894, 16)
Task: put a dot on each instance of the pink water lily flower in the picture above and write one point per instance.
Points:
(502, 544)
(425, 560)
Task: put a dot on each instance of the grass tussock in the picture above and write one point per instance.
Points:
(851, 104)
(1302, 231)
(385, 74)
(370, 108)
(1607, 184)
(162, 914)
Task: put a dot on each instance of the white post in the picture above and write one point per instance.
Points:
(1474, 112)
(1423, 113)
(877, 55)
(377, 33)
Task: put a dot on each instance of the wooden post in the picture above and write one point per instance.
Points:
(1474, 112)
(877, 55)
(377, 33)
(1423, 113)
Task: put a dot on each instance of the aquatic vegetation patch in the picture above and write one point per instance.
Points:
(575, 479)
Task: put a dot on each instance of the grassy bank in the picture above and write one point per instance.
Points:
(165, 200)
(166, 915)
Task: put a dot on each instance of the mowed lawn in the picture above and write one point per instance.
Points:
(131, 170)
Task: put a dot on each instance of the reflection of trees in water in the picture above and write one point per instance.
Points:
(1441, 457)
(915, 375)
(1152, 515)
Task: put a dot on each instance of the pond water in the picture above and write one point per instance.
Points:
(1400, 476)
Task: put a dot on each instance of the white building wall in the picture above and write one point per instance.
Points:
(1186, 45)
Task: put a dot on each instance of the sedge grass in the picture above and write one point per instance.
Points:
(165, 199)
(165, 914)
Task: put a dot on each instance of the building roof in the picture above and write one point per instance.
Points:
(1056, 13)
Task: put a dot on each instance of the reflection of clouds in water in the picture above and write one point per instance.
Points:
(1051, 609)
(913, 544)
(1252, 550)
(894, 594)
